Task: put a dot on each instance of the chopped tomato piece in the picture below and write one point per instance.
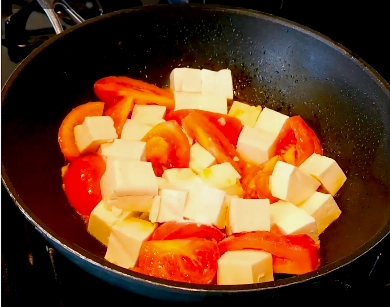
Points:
(299, 248)
(111, 89)
(192, 260)
(182, 230)
(119, 113)
(293, 267)
(211, 138)
(171, 149)
(230, 126)
(296, 132)
(76, 117)
(82, 183)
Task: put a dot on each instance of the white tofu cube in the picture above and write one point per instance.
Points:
(126, 239)
(200, 158)
(181, 178)
(325, 170)
(134, 130)
(94, 131)
(323, 208)
(186, 80)
(244, 267)
(209, 81)
(225, 83)
(185, 100)
(129, 185)
(245, 113)
(206, 205)
(119, 212)
(169, 206)
(288, 183)
(220, 176)
(255, 146)
(123, 149)
(214, 103)
(101, 220)
(246, 215)
(270, 121)
(154, 209)
(148, 114)
(291, 220)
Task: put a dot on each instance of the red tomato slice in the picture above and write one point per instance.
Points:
(299, 248)
(119, 113)
(230, 126)
(293, 267)
(182, 230)
(211, 138)
(82, 183)
(164, 137)
(191, 260)
(296, 132)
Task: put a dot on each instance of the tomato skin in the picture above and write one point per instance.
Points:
(293, 267)
(119, 112)
(182, 230)
(192, 260)
(82, 183)
(296, 132)
(230, 126)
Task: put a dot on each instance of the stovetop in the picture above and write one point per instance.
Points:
(34, 273)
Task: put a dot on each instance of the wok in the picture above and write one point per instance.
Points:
(275, 63)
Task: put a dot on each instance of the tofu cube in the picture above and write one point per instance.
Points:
(291, 220)
(119, 212)
(148, 114)
(94, 131)
(246, 215)
(206, 205)
(101, 220)
(214, 103)
(126, 239)
(255, 146)
(134, 130)
(270, 121)
(225, 83)
(290, 184)
(209, 81)
(325, 170)
(244, 267)
(185, 100)
(220, 176)
(129, 185)
(169, 206)
(247, 114)
(323, 208)
(180, 178)
(200, 158)
(123, 149)
(186, 80)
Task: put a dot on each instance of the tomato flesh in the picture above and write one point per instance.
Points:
(119, 113)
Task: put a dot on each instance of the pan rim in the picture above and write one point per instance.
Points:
(178, 286)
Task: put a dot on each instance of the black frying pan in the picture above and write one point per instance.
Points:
(275, 63)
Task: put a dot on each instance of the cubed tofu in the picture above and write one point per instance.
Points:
(119, 212)
(129, 185)
(184, 100)
(290, 184)
(200, 158)
(199, 101)
(123, 149)
(245, 113)
(206, 205)
(180, 178)
(220, 176)
(134, 130)
(255, 146)
(169, 206)
(94, 131)
(323, 208)
(209, 81)
(148, 114)
(126, 239)
(270, 121)
(101, 220)
(244, 267)
(186, 80)
(246, 215)
(325, 170)
(225, 83)
(291, 220)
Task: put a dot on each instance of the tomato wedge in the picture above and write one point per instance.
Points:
(211, 138)
(192, 260)
(119, 112)
(76, 117)
(82, 183)
(297, 133)
(167, 147)
(182, 230)
(230, 126)
(299, 248)
(293, 267)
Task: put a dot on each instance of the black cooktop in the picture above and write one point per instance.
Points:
(33, 273)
